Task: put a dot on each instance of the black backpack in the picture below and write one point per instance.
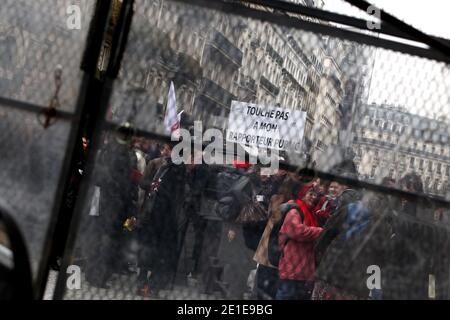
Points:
(233, 191)
(274, 250)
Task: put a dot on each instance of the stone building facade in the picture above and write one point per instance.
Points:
(390, 142)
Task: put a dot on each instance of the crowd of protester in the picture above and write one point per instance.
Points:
(309, 238)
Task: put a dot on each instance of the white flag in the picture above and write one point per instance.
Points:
(171, 120)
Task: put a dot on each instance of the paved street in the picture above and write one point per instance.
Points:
(124, 288)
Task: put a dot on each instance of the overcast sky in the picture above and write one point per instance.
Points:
(430, 16)
(420, 85)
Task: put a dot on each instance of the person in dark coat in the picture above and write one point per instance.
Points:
(195, 184)
(411, 246)
(163, 182)
(118, 199)
(335, 226)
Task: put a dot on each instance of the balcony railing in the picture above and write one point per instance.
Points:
(216, 92)
(228, 49)
(402, 149)
(269, 86)
(274, 55)
(337, 84)
(248, 83)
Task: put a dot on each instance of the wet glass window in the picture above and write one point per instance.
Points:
(235, 154)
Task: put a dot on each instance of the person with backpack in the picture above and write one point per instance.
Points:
(296, 239)
(267, 272)
(233, 188)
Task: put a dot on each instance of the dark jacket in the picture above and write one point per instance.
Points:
(254, 231)
(335, 223)
(158, 227)
(341, 251)
(118, 192)
(413, 244)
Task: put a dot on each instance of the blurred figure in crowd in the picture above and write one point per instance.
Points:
(262, 188)
(163, 182)
(267, 274)
(296, 240)
(118, 199)
(411, 183)
(410, 247)
(195, 184)
(326, 204)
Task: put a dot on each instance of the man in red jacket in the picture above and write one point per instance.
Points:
(297, 263)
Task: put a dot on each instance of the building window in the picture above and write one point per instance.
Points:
(435, 185)
(321, 145)
(430, 166)
(411, 162)
(391, 173)
(438, 168)
(427, 182)
(421, 164)
(372, 172)
(447, 172)
(327, 122)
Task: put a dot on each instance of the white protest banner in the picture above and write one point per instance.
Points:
(266, 127)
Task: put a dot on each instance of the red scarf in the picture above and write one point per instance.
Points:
(310, 219)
